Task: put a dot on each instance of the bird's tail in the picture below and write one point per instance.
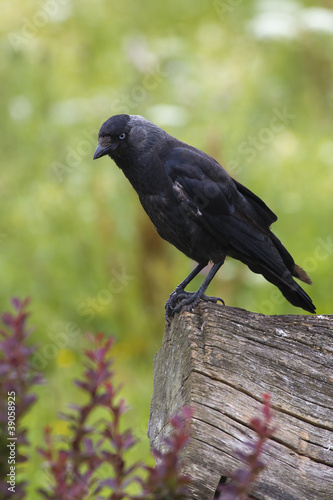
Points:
(297, 296)
(280, 272)
(295, 270)
(288, 287)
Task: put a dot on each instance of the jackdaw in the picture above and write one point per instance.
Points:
(195, 205)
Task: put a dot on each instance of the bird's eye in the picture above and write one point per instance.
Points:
(122, 136)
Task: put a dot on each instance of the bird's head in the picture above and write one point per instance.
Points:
(122, 133)
(113, 136)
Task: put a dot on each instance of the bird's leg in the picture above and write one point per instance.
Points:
(179, 298)
(179, 292)
(194, 298)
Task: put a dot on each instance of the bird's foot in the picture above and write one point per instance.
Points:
(179, 299)
(170, 305)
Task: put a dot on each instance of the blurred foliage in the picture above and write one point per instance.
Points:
(218, 75)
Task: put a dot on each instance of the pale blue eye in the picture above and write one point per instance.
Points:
(122, 136)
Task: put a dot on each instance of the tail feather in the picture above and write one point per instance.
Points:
(276, 264)
(290, 289)
(286, 284)
(301, 275)
(289, 262)
(297, 296)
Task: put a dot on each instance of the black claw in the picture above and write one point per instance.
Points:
(179, 299)
(171, 305)
(215, 300)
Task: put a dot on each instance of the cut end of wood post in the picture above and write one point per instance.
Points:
(220, 360)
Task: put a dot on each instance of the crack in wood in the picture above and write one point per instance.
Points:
(276, 408)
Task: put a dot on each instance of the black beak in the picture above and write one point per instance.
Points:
(100, 151)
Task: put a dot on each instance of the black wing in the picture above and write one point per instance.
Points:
(228, 211)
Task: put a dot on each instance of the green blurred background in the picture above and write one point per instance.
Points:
(249, 82)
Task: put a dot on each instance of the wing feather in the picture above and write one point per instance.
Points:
(228, 211)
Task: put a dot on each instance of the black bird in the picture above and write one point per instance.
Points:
(195, 205)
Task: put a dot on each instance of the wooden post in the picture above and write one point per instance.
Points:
(220, 360)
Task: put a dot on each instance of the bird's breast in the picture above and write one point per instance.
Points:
(169, 221)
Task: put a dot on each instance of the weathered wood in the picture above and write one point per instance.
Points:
(220, 360)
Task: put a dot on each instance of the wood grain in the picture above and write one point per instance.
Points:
(220, 360)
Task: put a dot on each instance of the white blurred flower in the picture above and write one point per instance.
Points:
(20, 108)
